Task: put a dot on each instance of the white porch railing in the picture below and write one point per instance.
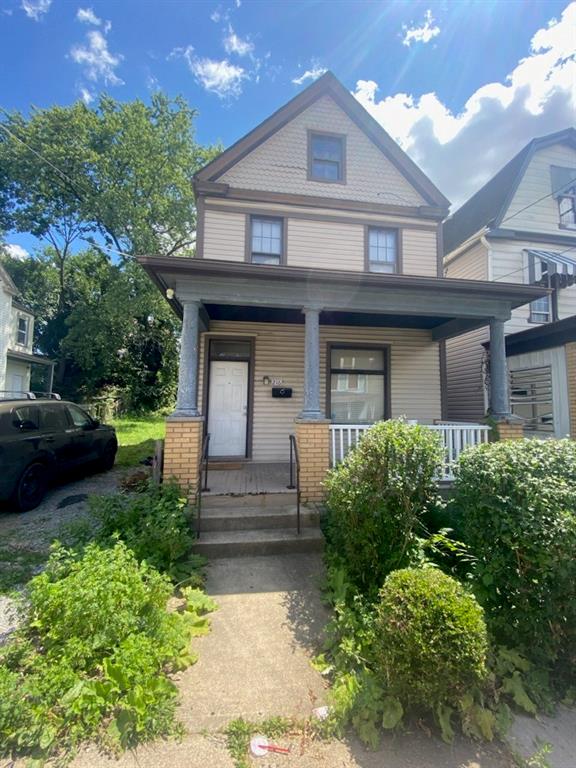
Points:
(455, 437)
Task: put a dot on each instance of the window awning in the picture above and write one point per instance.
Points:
(558, 264)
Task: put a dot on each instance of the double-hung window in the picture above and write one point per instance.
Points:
(540, 309)
(266, 241)
(358, 383)
(22, 331)
(326, 157)
(382, 250)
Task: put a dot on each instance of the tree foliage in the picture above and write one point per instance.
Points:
(98, 187)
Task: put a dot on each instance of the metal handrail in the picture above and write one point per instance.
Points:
(295, 464)
(202, 486)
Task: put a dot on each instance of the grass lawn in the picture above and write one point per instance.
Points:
(136, 436)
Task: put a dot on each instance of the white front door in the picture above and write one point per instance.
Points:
(228, 407)
(17, 385)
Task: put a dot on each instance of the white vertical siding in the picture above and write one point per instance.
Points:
(279, 353)
(536, 185)
(5, 331)
(280, 164)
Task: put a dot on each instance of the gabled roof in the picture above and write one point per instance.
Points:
(486, 208)
(327, 85)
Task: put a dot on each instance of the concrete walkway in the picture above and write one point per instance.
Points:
(255, 664)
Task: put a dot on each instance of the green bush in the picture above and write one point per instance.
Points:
(377, 497)
(431, 639)
(517, 504)
(155, 524)
(93, 655)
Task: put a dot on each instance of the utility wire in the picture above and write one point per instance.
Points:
(550, 194)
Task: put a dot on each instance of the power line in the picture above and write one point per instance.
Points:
(550, 194)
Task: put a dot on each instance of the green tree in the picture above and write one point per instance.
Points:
(119, 178)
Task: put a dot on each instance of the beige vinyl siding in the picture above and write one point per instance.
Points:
(280, 164)
(472, 264)
(415, 374)
(224, 236)
(536, 184)
(419, 252)
(464, 354)
(325, 245)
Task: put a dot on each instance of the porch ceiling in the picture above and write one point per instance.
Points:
(446, 306)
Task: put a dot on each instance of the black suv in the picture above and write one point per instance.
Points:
(40, 438)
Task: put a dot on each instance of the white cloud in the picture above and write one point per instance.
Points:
(86, 95)
(421, 34)
(35, 9)
(234, 44)
(98, 62)
(87, 16)
(461, 150)
(220, 77)
(16, 251)
(314, 73)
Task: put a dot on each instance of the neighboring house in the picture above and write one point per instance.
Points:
(16, 348)
(521, 227)
(315, 299)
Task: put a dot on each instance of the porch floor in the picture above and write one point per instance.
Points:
(248, 478)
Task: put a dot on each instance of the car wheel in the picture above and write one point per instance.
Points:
(31, 487)
(108, 457)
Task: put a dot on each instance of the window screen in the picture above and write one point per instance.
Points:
(531, 398)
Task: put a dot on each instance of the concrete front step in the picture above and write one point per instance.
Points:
(256, 518)
(249, 500)
(259, 542)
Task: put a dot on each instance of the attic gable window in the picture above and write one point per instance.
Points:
(564, 190)
(326, 157)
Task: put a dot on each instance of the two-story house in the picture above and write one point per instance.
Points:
(521, 227)
(16, 343)
(315, 301)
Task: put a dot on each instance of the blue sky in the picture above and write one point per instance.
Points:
(461, 85)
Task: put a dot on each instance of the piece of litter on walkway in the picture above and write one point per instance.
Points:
(321, 712)
(259, 746)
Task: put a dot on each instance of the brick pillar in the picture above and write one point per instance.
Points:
(182, 451)
(571, 371)
(510, 429)
(313, 438)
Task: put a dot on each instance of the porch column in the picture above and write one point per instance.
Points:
(499, 387)
(184, 427)
(187, 399)
(312, 410)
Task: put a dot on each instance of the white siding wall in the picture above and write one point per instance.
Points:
(464, 354)
(419, 252)
(280, 164)
(510, 265)
(5, 331)
(536, 184)
(415, 375)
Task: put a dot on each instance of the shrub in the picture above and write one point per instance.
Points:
(93, 655)
(377, 497)
(155, 524)
(431, 639)
(517, 502)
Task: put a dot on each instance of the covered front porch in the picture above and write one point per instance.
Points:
(272, 351)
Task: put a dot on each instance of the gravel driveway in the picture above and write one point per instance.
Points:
(25, 537)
